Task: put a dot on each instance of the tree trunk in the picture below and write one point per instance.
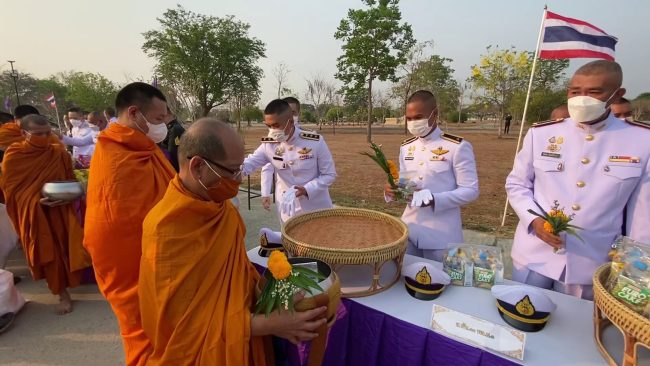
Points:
(206, 110)
(501, 121)
(369, 132)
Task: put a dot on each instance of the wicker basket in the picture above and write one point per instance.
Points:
(608, 310)
(376, 256)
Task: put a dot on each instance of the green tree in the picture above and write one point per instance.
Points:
(245, 94)
(645, 95)
(88, 91)
(375, 44)
(334, 114)
(204, 57)
(498, 76)
(252, 113)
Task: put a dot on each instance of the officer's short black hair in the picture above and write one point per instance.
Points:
(292, 100)
(138, 94)
(24, 110)
(6, 117)
(622, 100)
(276, 106)
(611, 68)
(424, 96)
(74, 110)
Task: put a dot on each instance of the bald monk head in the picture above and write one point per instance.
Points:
(210, 155)
(560, 112)
(141, 106)
(35, 125)
(600, 80)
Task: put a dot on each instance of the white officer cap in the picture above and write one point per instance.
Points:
(524, 307)
(424, 281)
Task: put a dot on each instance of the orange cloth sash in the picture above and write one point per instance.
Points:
(197, 284)
(51, 236)
(128, 176)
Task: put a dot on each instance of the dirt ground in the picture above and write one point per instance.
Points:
(360, 181)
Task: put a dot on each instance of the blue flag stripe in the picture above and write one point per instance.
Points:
(568, 34)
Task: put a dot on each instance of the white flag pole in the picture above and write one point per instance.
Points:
(530, 87)
(56, 109)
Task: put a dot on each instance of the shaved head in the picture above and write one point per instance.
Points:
(30, 121)
(209, 151)
(612, 70)
(205, 138)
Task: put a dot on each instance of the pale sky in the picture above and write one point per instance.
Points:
(45, 37)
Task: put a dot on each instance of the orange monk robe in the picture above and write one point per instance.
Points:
(197, 284)
(128, 176)
(51, 236)
(10, 133)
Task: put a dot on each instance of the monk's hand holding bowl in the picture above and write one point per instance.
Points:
(296, 327)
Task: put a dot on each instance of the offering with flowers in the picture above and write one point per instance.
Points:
(556, 221)
(402, 187)
(283, 281)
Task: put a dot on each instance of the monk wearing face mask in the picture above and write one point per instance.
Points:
(196, 282)
(128, 176)
(49, 231)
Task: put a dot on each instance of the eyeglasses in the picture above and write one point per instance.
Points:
(234, 173)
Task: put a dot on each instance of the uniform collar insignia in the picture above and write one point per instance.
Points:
(279, 150)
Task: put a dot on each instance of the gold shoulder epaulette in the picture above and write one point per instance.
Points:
(453, 138)
(409, 140)
(268, 139)
(637, 123)
(547, 123)
(310, 136)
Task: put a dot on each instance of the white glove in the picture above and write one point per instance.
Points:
(288, 205)
(421, 198)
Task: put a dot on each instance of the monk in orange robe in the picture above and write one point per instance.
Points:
(196, 282)
(49, 231)
(128, 176)
(10, 131)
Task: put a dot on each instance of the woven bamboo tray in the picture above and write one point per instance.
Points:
(608, 310)
(375, 256)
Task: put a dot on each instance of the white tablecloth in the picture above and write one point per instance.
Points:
(567, 338)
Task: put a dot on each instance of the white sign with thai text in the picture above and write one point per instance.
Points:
(478, 332)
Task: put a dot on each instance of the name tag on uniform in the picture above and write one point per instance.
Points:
(278, 158)
(438, 158)
(624, 159)
(409, 158)
(305, 157)
(551, 155)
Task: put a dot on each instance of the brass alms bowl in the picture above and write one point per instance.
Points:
(62, 190)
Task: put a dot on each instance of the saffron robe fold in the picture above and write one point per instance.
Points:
(128, 175)
(10, 133)
(51, 236)
(197, 284)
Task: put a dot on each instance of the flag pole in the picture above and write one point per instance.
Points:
(530, 87)
(56, 109)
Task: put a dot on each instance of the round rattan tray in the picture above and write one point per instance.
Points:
(608, 310)
(375, 255)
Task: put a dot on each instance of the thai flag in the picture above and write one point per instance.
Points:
(51, 100)
(572, 38)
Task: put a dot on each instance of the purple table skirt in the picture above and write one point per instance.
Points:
(365, 336)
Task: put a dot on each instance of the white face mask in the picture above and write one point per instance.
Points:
(419, 127)
(295, 119)
(75, 122)
(156, 133)
(584, 109)
(278, 134)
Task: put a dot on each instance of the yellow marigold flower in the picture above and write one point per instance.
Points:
(393, 169)
(548, 227)
(279, 265)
